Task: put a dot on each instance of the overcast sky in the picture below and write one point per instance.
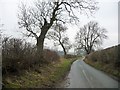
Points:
(106, 16)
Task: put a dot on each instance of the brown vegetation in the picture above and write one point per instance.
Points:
(43, 77)
(68, 56)
(106, 60)
(18, 55)
(21, 68)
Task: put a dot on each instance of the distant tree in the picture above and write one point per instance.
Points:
(39, 18)
(1, 31)
(59, 37)
(0, 45)
(1, 25)
(90, 36)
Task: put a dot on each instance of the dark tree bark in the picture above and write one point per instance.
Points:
(65, 53)
(41, 38)
(42, 16)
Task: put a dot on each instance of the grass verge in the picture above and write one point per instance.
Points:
(43, 77)
(113, 72)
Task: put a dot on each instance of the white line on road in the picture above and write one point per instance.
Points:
(87, 79)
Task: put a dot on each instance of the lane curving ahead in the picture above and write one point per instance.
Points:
(83, 75)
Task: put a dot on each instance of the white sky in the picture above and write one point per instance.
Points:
(106, 16)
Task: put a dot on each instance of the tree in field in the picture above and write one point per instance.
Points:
(90, 36)
(39, 18)
(59, 37)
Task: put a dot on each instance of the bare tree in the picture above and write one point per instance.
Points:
(59, 37)
(1, 45)
(38, 19)
(1, 35)
(90, 36)
(1, 31)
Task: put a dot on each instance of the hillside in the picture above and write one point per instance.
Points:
(107, 60)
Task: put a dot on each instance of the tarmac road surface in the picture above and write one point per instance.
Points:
(83, 75)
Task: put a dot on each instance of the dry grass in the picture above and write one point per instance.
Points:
(106, 60)
(47, 76)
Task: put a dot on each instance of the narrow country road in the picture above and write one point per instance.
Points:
(84, 76)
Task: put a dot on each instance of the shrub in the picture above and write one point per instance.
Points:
(18, 55)
(50, 56)
(106, 56)
(70, 56)
(108, 60)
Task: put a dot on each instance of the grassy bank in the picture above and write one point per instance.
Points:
(106, 68)
(106, 60)
(46, 76)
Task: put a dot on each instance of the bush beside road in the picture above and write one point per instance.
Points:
(44, 77)
(106, 60)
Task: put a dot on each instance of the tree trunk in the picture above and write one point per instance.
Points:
(65, 53)
(40, 42)
(87, 51)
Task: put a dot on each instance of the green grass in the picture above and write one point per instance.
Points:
(47, 77)
(61, 70)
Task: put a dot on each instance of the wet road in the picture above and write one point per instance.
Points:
(84, 76)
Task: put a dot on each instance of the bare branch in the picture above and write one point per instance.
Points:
(90, 36)
(38, 18)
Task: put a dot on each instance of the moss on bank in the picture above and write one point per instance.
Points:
(43, 77)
